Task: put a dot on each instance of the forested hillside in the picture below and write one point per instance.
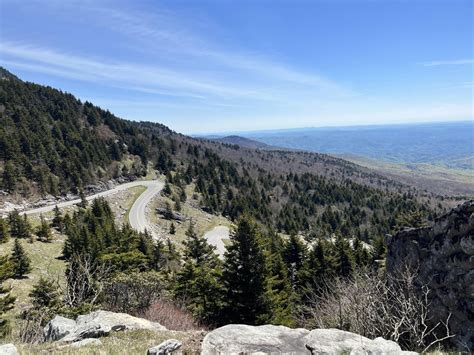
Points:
(52, 143)
(301, 220)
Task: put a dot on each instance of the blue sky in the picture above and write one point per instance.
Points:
(221, 65)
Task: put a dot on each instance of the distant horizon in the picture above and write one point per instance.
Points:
(355, 126)
(220, 66)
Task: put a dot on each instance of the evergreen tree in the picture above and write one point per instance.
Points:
(19, 227)
(295, 254)
(361, 255)
(44, 231)
(4, 233)
(321, 265)
(244, 277)
(44, 294)
(379, 248)
(6, 299)
(279, 290)
(10, 176)
(197, 249)
(82, 196)
(172, 229)
(343, 258)
(20, 261)
(58, 219)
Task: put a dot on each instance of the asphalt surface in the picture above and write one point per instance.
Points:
(137, 215)
(216, 238)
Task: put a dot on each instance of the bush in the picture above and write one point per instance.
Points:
(374, 305)
(133, 292)
(170, 315)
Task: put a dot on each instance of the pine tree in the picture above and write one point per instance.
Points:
(6, 299)
(44, 231)
(295, 254)
(83, 203)
(58, 219)
(379, 248)
(20, 261)
(19, 227)
(279, 290)
(44, 294)
(244, 277)
(321, 265)
(4, 233)
(172, 229)
(197, 283)
(197, 249)
(343, 258)
(361, 256)
(10, 176)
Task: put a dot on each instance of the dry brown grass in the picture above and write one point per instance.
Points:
(171, 316)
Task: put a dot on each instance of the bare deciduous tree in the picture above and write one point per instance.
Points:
(373, 305)
(84, 281)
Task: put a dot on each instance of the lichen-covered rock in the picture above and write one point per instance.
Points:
(167, 347)
(335, 341)
(94, 325)
(58, 328)
(8, 349)
(246, 339)
(270, 339)
(444, 258)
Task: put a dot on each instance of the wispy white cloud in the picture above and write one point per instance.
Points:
(435, 63)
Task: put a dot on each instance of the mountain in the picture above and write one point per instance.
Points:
(52, 143)
(447, 144)
(241, 142)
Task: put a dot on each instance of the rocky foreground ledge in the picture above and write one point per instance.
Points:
(232, 339)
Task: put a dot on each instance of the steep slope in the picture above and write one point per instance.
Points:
(52, 143)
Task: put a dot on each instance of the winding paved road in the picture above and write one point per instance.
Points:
(216, 238)
(137, 215)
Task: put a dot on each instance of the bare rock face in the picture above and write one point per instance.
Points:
(58, 327)
(94, 325)
(335, 341)
(167, 347)
(270, 339)
(444, 257)
(246, 339)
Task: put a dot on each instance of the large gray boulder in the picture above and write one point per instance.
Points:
(167, 347)
(58, 328)
(94, 325)
(246, 339)
(270, 339)
(8, 349)
(335, 341)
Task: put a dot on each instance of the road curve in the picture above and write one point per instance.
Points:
(137, 216)
(216, 238)
(136, 219)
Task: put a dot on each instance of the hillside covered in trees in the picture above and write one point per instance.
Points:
(302, 222)
(52, 143)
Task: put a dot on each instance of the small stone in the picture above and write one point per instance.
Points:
(166, 347)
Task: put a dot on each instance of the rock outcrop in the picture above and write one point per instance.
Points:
(271, 339)
(167, 347)
(94, 325)
(443, 255)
